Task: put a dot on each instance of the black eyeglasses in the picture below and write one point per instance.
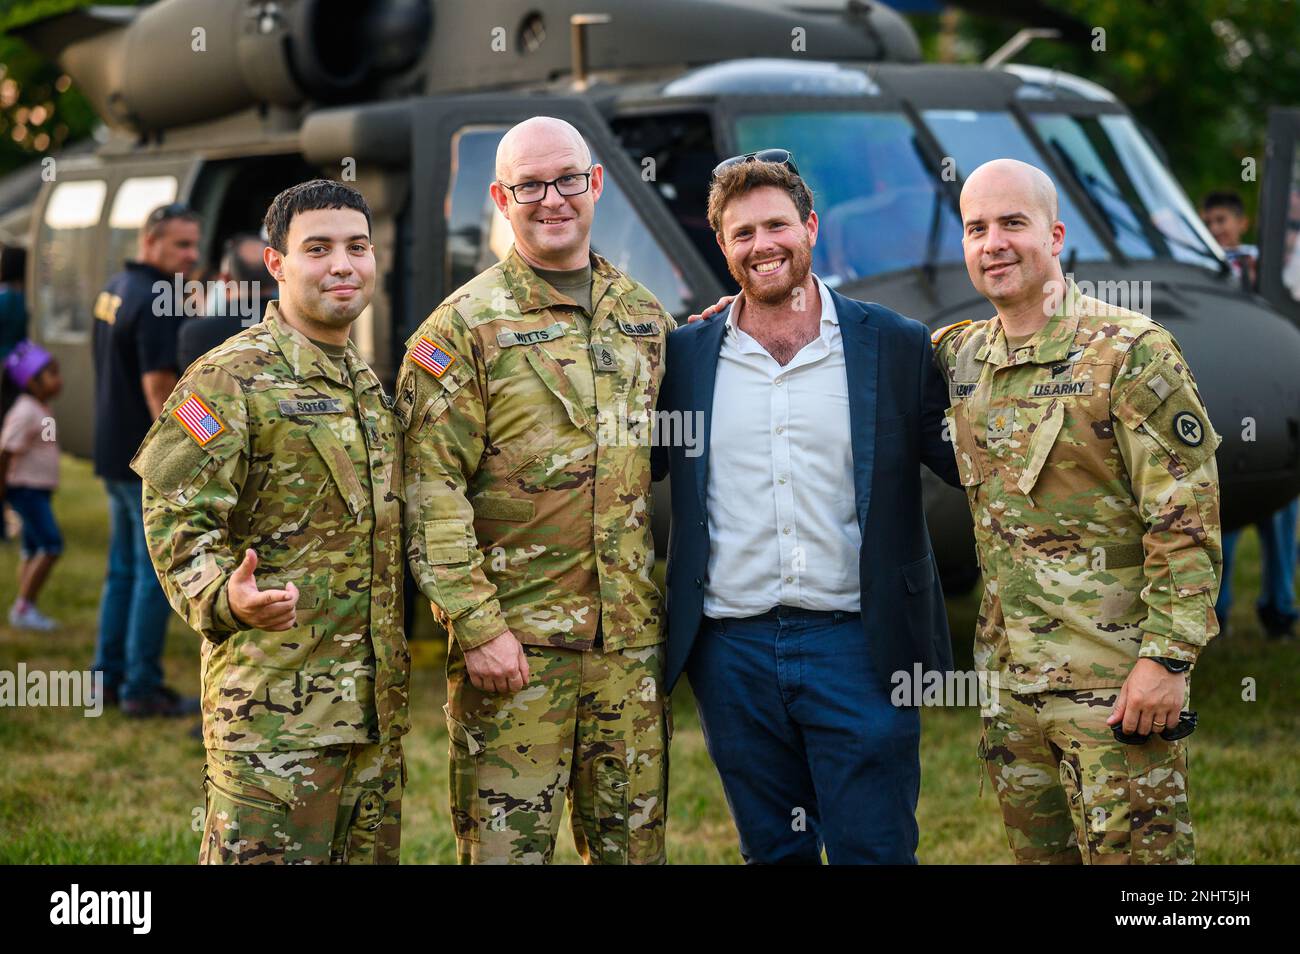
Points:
(763, 155)
(572, 183)
(1186, 726)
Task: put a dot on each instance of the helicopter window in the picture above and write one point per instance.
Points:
(65, 287)
(1136, 196)
(880, 206)
(973, 138)
(676, 154)
(478, 235)
(135, 199)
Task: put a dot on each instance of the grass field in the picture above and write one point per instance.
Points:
(107, 790)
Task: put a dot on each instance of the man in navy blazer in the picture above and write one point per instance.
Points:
(800, 574)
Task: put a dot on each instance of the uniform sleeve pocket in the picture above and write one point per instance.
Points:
(959, 434)
(174, 465)
(446, 542)
(1192, 572)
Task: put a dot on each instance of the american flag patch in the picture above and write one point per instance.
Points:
(430, 357)
(197, 418)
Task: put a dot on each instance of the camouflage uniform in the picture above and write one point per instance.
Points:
(267, 443)
(528, 470)
(1088, 460)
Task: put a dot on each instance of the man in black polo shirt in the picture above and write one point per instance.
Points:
(137, 317)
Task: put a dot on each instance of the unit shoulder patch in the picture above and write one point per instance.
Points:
(941, 333)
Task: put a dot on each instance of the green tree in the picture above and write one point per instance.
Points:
(1199, 74)
(40, 109)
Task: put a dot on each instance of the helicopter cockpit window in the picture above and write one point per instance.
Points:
(478, 235)
(1145, 209)
(973, 138)
(879, 205)
(65, 286)
(135, 199)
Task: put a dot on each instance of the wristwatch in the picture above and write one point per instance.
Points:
(1173, 665)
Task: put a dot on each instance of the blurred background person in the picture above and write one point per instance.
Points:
(135, 371)
(1224, 214)
(29, 473)
(245, 286)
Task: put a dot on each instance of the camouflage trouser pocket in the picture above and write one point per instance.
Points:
(1073, 786)
(370, 834)
(466, 752)
(1160, 823)
(610, 801)
(245, 819)
(1136, 814)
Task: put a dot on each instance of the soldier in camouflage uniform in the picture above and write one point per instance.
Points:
(1088, 459)
(279, 453)
(526, 399)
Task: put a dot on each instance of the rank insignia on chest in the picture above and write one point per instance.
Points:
(1001, 424)
(432, 358)
(197, 418)
(603, 357)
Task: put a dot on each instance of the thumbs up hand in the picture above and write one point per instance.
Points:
(271, 610)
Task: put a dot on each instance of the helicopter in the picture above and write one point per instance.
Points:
(221, 104)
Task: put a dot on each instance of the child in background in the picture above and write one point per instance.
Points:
(29, 472)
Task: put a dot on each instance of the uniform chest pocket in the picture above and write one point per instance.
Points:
(561, 387)
(1040, 446)
(339, 464)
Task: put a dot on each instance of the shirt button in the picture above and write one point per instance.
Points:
(789, 579)
(786, 531)
(780, 429)
(780, 480)
(780, 381)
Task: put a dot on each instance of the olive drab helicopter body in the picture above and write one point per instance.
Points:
(223, 103)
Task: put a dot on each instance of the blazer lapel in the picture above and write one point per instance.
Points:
(703, 380)
(861, 350)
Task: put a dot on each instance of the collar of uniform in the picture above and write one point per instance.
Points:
(306, 360)
(1049, 344)
(531, 293)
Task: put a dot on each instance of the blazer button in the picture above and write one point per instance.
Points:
(698, 581)
(703, 525)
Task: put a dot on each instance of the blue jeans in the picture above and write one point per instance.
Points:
(1277, 545)
(133, 611)
(810, 750)
(40, 529)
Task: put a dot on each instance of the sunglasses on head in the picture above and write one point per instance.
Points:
(763, 155)
(170, 211)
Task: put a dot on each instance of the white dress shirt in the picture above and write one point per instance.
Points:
(780, 496)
